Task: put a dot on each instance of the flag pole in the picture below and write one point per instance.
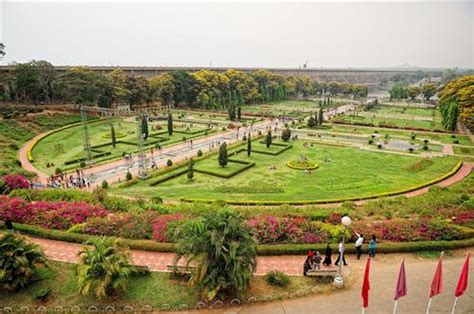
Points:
(454, 305)
(429, 305)
(363, 310)
(395, 307)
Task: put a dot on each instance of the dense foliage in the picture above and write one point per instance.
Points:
(104, 268)
(19, 262)
(38, 82)
(457, 100)
(222, 249)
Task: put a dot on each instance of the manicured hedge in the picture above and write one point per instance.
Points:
(230, 175)
(328, 201)
(165, 177)
(263, 249)
(284, 148)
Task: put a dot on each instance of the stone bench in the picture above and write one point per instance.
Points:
(322, 272)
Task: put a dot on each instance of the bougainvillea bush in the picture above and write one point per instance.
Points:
(52, 215)
(401, 230)
(15, 181)
(270, 229)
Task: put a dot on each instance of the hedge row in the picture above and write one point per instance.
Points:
(328, 201)
(262, 249)
(168, 177)
(75, 161)
(387, 126)
(231, 174)
(193, 132)
(296, 166)
(285, 148)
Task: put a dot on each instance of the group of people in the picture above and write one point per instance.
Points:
(64, 181)
(314, 259)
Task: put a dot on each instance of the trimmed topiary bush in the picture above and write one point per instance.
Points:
(105, 184)
(128, 176)
(169, 162)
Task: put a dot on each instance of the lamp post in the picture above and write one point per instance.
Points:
(339, 280)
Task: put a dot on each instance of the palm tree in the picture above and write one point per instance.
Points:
(105, 267)
(19, 261)
(222, 252)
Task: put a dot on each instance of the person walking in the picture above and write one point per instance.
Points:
(317, 261)
(327, 256)
(341, 255)
(358, 244)
(372, 246)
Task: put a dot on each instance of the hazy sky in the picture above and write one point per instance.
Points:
(241, 34)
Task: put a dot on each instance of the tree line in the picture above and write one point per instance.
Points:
(39, 82)
(402, 91)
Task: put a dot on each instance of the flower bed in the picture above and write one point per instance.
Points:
(302, 164)
(54, 215)
(117, 135)
(15, 181)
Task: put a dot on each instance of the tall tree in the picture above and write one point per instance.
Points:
(249, 145)
(413, 91)
(190, 173)
(222, 158)
(239, 113)
(268, 138)
(321, 116)
(170, 124)
(144, 127)
(112, 135)
(428, 90)
(460, 90)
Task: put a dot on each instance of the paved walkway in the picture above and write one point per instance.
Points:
(115, 170)
(383, 276)
(157, 261)
(384, 270)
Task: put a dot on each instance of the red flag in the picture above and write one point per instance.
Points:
(437, 284)
(401, 288)
(463, 278)
(366, 285)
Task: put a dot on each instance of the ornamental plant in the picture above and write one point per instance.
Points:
(222, 248)
(19, 262)
(105, 267)
(15, 181)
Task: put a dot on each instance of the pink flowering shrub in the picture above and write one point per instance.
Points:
(53, 215)
(15, 181)
(270, 229)
(164, 225)
(402, 230)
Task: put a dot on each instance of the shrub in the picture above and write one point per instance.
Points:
(41, 294)
(19, 261)
(411, 149)
(425, 147)
(104, 268)
(128, 176)
(199, 153)
(379, 146)
(456, 142)
(222, 249)
(277, 278)
(156, 199)
(82, 164)
(371, 141)
(105, 184)
(169, 162)
(15, 181)
(286, 134)
(58, 171)
(164, 226)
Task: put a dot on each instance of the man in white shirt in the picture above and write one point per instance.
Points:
(358, 244)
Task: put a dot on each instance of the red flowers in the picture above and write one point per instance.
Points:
(161, 226)
(15, 181)
(53, 215)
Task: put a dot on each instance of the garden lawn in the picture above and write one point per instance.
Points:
(461, 150)
(156, 289)
(441, 137)
(67, 145)
(343, 172)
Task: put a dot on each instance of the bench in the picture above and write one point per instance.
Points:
(180, 269)
(322, 273)
(142, 270)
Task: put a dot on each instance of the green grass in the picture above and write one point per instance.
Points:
(14, 133)
(343, 173)
(461, 150)
(401, 117)
(67, 145)
(156, 289)
(294, 108)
